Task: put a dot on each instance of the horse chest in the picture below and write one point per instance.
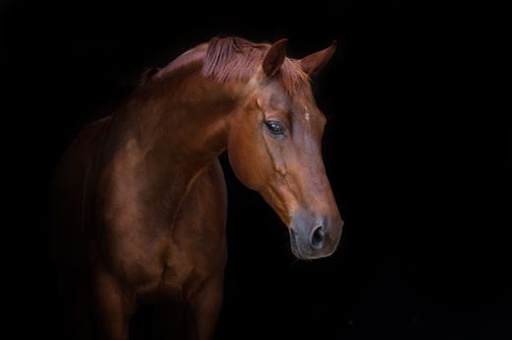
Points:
(165, 260)
(156, 250)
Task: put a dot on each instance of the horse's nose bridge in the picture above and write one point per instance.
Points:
(316, 189)
(309, 181)
(319, 200)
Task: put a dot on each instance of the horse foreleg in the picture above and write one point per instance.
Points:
(112, 307)
(206, 307)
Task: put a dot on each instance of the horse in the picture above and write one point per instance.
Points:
(140, 198)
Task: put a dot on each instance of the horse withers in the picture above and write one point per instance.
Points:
(140, 199)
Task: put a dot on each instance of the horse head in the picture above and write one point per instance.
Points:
(274, 147)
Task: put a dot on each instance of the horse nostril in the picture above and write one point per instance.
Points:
(318, 237)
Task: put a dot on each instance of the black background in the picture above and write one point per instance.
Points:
(418, 163)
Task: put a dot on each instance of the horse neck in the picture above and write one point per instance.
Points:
(187, 116)
(175, 127)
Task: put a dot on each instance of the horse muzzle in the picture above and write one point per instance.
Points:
(314, 237)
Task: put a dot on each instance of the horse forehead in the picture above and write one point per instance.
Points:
(305, 106)
(310, 115)
(280, 98)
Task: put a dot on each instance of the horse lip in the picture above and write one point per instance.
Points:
(297, 250)
(295, 245)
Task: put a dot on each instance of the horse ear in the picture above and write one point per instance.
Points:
(314, 63)
(275, 57)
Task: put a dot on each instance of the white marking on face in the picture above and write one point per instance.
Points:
(306, 114)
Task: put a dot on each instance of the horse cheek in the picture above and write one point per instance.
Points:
(248, 159)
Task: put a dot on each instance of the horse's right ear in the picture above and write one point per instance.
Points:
(275, 57)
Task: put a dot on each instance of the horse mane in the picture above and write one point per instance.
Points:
(232, 58)
(235, 58)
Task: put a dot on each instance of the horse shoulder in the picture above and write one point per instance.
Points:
(200, 224)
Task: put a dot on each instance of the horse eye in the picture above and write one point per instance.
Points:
(275, 127)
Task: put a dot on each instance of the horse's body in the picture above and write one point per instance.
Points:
(140, 196)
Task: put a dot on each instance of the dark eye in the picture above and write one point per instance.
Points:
(275, 127)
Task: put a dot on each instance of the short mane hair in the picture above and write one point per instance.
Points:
(233, 58)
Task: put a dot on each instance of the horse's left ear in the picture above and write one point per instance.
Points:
(275, 57)
(314, 63)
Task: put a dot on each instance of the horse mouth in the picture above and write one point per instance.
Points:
(294, 245)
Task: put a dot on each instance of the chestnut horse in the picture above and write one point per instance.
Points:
(140, 196)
